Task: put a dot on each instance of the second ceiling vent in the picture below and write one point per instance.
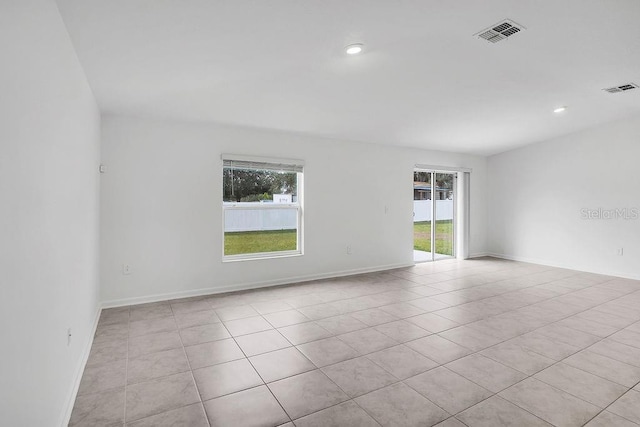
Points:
(500, 31)
(621, 88)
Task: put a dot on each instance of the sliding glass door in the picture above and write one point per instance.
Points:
(433, 215)
(444, 215)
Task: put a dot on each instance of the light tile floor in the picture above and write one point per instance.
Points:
(422, 256)
(483, 342)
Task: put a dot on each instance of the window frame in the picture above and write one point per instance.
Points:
(298, 205)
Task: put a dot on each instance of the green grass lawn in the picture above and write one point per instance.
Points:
(444, 236)
(250, 242)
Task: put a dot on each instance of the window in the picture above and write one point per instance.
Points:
(261, 207)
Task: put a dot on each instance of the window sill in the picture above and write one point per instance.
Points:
(261, 256)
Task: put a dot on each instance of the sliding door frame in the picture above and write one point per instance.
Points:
(461, 182)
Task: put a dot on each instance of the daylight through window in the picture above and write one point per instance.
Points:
(262, 207)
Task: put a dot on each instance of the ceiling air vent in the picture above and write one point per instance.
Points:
(500, 31)
(621, 88)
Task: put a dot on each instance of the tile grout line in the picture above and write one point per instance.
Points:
(609, 405)
(258, 373)
(433, 312)
(193, 378)
(317, 369)
(399, 289)
(557, 362)
(398, 343)
(126, 371)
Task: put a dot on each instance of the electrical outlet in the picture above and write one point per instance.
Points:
(69, 337)
(126, 269)
(348, 250)
(620, 251)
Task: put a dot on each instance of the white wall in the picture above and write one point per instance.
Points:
(161, 206)
(536, 195)
(49, 154)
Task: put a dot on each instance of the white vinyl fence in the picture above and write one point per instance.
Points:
(422, 210)
(260, 219)
(287, 219)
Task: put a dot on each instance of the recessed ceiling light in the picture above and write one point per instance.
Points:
(353, 49)
(560, 109)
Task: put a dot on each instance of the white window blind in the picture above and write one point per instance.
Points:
(275, 167)
(262, 163)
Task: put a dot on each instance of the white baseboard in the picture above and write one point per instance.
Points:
(246, 286)
(66, 416)
(563, 265)
(479, 255)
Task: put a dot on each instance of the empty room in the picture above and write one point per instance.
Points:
(320, 213)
